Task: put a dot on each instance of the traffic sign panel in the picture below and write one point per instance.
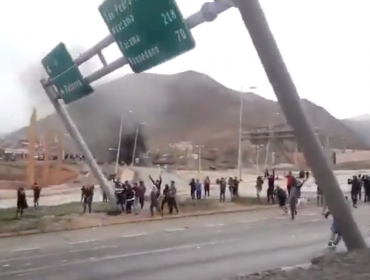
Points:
(65, 75)
(147, 33)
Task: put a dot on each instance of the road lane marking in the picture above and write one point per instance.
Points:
(250, 221)
(57, 253)
(25, 249)
(174, 229)
(309, 214)
(6, 265)
(215, 225)
(84, 241)
(134, 235)
(25, 272)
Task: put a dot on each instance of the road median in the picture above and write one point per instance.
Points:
(68, 216)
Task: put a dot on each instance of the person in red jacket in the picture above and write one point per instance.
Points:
(289, 181)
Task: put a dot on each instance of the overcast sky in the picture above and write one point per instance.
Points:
(325, 43)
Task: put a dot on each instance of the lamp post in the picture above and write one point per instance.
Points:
(240, 154)
(135, 143)
(199, 157)
(119, 142)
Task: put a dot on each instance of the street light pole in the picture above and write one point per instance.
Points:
(240, 152)
(199, 157)
(135, 143)
(119, 142)
(258, 158)
(288, 98)
(240, 134)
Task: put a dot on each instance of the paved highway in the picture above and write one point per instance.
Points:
(215, 247)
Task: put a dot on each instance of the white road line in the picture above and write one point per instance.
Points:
(134, 235)
(24, 272)
(309, 214)
(25, 249)
(6, 265)
(280, 218)
(83, 241)
(215, 225)
(250, 221)
(174, 229)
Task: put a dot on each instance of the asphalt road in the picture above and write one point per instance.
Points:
(205, 248)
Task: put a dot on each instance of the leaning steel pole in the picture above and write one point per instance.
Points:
(286, 93)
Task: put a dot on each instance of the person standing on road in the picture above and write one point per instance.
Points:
(281, 196)
(198, 189)
(192, 188)
(270, 188)
(222, 184)
(36, 194)
(295, 194)
(289, 181)
(157, 184)
(154, 204)
(367, 188)
(88, 196)
(172, 191)
(259, 184)
(165, 196)
(355, 189)
(207, 187)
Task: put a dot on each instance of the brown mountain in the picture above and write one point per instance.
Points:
(360, 125)
(188, 106)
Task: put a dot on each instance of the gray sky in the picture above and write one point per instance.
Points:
(325, 43)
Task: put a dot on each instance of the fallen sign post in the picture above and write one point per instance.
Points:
(68, 84)
(158, 33)
(65, 75)
(147, 33)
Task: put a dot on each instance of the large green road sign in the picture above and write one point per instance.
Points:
(148, 32)
(65, 75)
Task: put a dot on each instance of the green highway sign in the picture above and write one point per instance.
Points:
(147, 33)
(65, 75)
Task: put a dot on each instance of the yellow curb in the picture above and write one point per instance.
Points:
(149, 219)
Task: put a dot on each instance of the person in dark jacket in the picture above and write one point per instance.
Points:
(282, 197)
(355, 189)
(21, 202)
(222, 184)
(158, 184)
(367, 188)
(130, 199)
(270, 188)
(140, 194)
(87, 198)
(165, 196)
(207, 187)
(192, 185)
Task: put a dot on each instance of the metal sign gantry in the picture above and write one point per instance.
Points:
(267, 50)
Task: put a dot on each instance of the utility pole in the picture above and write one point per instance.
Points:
(288, 98)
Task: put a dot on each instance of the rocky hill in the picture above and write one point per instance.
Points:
(360, 125)
(188, 106)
